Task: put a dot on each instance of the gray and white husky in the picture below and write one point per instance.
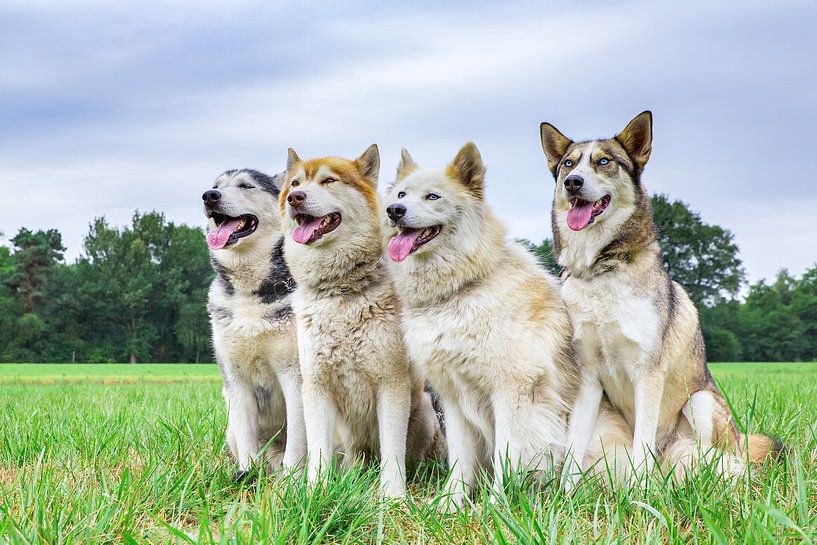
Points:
(253, 324)
(636, 332)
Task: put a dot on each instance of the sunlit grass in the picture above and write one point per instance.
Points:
(84, 461)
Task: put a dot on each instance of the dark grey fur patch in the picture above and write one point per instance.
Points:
(264, 181)
(263, 398)
(279, 282)
(280, 314)
(221, 314)
(223, 273)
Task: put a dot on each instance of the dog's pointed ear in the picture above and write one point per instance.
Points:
(368, 164)
(292, 161)
(406, 166)
(636, 138)
(554, 144)
(468, 169)
(278, 180)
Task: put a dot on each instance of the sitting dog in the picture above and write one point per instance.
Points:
(636, 332)
(252, 320)
(357, 378)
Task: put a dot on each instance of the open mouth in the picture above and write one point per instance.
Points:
(408, 240)
(582, 213)
(229, 229)
(312, 228)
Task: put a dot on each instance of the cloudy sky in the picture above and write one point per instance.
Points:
(107, 107)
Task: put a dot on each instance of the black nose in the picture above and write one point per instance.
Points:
(211, 197)
(296, 197)
(395, 211)
(573, 183)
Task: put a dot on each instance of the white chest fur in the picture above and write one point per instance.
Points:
(616, 325)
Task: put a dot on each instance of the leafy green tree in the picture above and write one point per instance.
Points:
(720, 325)
(121, 285)
(804, 305)
(35, 255)
(145, 288)
(769, 330)
(543, 253)
(701, 257)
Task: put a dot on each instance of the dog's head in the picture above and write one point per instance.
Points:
(324, 198)
(240, 208)
(434, 207)
(599, 179)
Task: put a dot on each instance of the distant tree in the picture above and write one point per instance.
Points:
(701, 257)
(189, 324)
(770, 331)
(720, 325)
(543, 253)
(144, 285)
(35, 255)
(804, 305)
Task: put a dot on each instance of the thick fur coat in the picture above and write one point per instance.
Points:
(358, 380)
(252, 321)
(636, 332)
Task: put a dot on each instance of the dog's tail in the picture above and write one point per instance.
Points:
(761, 446)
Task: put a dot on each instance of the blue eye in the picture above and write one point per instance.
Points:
(568, 163)
(432, 196)
(604, 161)
(401, 194)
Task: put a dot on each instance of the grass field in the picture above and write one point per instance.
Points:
(134, 454)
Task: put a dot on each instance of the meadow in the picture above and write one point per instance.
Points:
(134, 454)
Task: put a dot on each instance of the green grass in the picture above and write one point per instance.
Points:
(47, 373)
(134, 454)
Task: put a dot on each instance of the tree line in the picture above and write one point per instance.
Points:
(138, 293)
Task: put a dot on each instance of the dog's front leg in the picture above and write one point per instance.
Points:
(461, 439)
(507, 450)
(649, 391)
(393, 406)
(243, 423)
(320, 416)
(295, 450)
(580, 430)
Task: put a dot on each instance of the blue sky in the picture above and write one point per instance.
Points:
(108, 107)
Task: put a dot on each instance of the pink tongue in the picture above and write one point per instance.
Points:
(218, 236)
(304, 232)
(401, 245)
(579, 216)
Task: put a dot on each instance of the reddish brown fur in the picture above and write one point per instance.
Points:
(467, 168)
(343, 170)
(761, 447)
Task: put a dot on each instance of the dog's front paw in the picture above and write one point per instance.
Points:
(392, 491)
(449, 502)
(571, 476)
(244, 476)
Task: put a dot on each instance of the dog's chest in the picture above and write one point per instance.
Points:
(614, 324)
(452, 343)
(349, 341)
(254, 338)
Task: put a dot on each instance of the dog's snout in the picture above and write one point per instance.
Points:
(211, 197)
(296, 197)
(573, 183)
(395, 211)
